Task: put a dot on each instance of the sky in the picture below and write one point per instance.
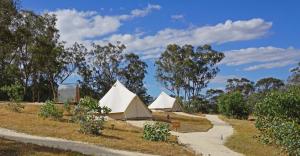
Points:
(260, 38)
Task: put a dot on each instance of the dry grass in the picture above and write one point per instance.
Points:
(187, 124)
(124, 136)
(244, 140)
(12, 148)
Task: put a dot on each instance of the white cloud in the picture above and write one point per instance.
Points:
(177, 17)
(140, 12)
(263, 57)
(78, 26)
(151, 45)
(89, 26)
(222, 79)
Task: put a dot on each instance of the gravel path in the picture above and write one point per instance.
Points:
(209, 143)
(63, 144)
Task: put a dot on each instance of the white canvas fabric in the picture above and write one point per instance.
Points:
(120, 100)
(165, 102)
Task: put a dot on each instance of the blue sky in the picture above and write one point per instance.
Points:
(259, 38)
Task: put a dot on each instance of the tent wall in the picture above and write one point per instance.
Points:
(117, 116)
(176, 107)
(137, 110)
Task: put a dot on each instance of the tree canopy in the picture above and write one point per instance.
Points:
(267, 84)
(185, 70)
(243, 85)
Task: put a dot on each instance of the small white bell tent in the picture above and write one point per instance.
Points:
(166, 103)
(124, 104)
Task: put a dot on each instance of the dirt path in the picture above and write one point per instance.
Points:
(63, 144)
(209, 143)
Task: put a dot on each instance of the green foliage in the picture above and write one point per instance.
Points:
(133, 73)
(294, 79)
(267, 84)
(253, 99)
(197, 104)
(15, 94)
(49, 110)
(233, 105)
(90, 125)
(186, 70)
(243, 85)
(157, 131)
(212, 97)
(278, 119)
(90, 116)
(89, 103)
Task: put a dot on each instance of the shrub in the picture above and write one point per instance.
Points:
(233, 105)
(156, 132)
(49, 110)
(89, 103)
(282, 104)
(278, 119)
(91, 125)
(90, 116)
(15, 94)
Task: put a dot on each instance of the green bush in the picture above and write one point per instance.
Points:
(15, 94)
(283, 104)
(49, 110)
(89, 103)
(90, 125)
(278, 119)
(90, 116)
(233, 105)
(156, 132)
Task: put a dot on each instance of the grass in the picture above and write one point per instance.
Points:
(12, 148)
(123, 137)
(244, 140)
(187, 124)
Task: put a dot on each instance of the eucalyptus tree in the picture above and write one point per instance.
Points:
(243, 85)
(267, 84)
(133, 73)
(8, 16)
(185, 70)
(294, 79)
(103, 67)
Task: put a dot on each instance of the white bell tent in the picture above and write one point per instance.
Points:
(124, 104)
(166, 103)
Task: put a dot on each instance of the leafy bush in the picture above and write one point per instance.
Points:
(283, 104)
(253, 99)
(156, 132)
(91, 125)
(90, 116)
(233, 105)
(89, 103)
(15, 94)
(49, 110)
(278, 119)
